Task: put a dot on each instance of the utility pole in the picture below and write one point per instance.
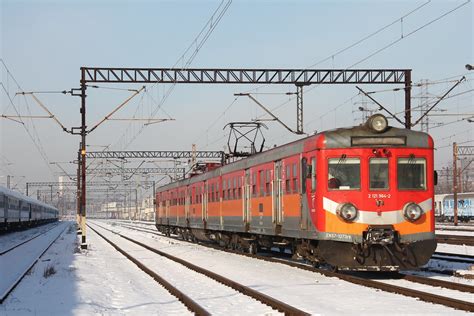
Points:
(408, 99)
(78, 193)
(83, 158)
(8, 182)
(455, 183)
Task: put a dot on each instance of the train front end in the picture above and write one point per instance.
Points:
(375, 209)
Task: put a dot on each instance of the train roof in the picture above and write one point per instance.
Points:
(18, 195)
(336, 138)
(344, 137)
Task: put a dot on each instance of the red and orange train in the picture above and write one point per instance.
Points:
(356, 198)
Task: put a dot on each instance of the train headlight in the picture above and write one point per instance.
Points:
(347, 211)
(378, 123)
(412, 211)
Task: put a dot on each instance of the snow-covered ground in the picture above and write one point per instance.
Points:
(98, 281)
(102, 281)
(456, 249)
(305, 290)
(14, 238)
(16, 262)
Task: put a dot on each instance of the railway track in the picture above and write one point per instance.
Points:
(8, 249)
(455, 240)
(452, 257)
(9, 284)
(189, 302)
(421, 295)
(437, 255)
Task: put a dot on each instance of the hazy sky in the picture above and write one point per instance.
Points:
(44, 43)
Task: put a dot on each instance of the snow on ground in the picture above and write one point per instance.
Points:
(210, 294)
(101, 281)
(456, 249)
(16, 262)
(305, 290)
(11, 239)
(98, 281)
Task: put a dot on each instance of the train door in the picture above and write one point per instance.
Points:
(308, 189)
(187, 202)
(246, 199)
(204, 201)
(167, 206)
(277, 194)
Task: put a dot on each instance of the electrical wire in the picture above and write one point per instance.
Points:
(383, 48)
(37, 141)
(197, 44)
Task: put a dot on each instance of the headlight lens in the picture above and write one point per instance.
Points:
(378, 123)
(347, 212)
(412, 211)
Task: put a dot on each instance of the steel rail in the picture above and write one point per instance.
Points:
(186, 300)
(268, 300)
(25, 241)
(15, 284)
(455, 240)
(454, 255)
(452, 258)
(435, 282)
(423, 296)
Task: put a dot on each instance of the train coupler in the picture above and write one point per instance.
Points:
(380, 235)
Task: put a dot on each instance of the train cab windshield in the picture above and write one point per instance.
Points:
(344, 173)
(411, 173)
(378, 173)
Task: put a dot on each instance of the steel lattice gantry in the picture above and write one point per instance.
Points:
(254, 76)
(124, 154)
(465, 150)
(298, 77)
(118, 171)
(97, 183)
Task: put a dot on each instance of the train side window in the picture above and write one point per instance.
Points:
(295, 178)
(254, 184)
(378, 173)
(411, 173)
(217, 192)
(267, 182)
(213, 194)
(262, 182)
(224, 196)
(344, 173)
(288, 179)
(313, 174)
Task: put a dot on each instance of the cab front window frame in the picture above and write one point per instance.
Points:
(337, 178)
(415, 161)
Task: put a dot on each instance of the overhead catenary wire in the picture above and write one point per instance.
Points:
(197, 44)
(37, 141)
(384, 47)
(121, 105)
(360, 41)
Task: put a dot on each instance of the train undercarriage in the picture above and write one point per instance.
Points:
(377, 252)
